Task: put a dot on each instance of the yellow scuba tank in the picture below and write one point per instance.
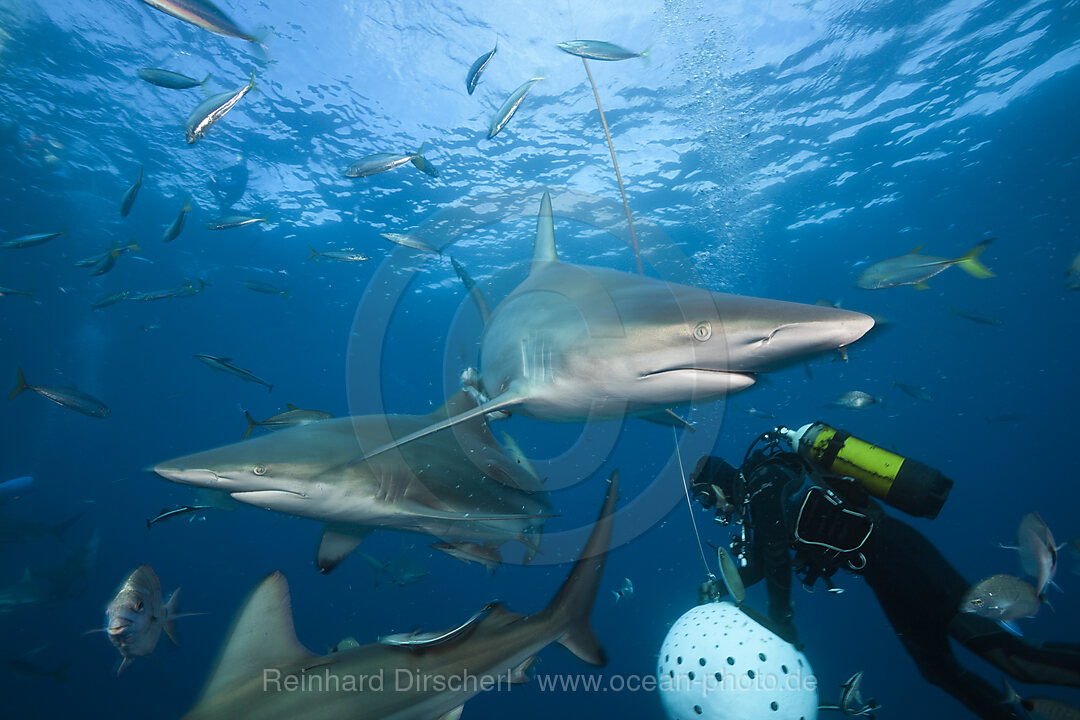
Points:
(905, 484)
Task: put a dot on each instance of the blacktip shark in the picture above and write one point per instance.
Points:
(264, 672)
(458, 486)
(574, 343)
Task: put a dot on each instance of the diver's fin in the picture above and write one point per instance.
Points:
(970, 264)
(336, 544)
(544, 251)
(262, 636)
(508, 398)
(474, 292)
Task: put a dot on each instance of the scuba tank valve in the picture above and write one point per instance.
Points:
(905, 484)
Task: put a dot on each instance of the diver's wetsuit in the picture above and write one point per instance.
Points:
(919, 590)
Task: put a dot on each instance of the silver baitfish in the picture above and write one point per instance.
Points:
(209, 111)
(510, 107)
(600, 50)
(478, 67)
(170, 79)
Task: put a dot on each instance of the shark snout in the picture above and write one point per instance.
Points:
(200, 477)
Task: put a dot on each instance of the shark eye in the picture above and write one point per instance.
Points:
(259, 469)
(703, 331)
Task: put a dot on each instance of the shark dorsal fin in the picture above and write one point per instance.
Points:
(262, 636)
(544, 252)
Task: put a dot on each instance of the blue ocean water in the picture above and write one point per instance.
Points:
(768, 149)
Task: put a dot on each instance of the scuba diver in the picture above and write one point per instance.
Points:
(812, 491)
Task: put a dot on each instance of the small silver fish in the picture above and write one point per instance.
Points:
(381, 162)
(290, 418)
(170, 79)
(136, 616)
(31, 240)
(626, 590)
(234, 221)
(203, 14)
(129, 197)
(186, 290)
(600, 50)
(265, 288)
(851, 702)
(980, 319)
(410, 240)
(504, 113)
(170, 513)
(338, 255)
(209, 111)
(4, 292)
(225, 365)
(855, 400)
(110, 299)
(729, 573)
(70, 398)
(1001, 597)
(176, 226)
(478, 67)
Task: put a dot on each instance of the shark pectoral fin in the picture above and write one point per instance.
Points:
(336, 544)
(508, 398)
(667, 417)
(262, 636)
(454, 714)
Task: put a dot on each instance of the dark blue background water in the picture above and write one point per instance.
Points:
(779, 150)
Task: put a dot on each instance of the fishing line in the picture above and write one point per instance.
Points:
(611, 147)
(689, 504)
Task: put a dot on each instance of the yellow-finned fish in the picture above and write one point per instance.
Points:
(203, 14)
(915, 269)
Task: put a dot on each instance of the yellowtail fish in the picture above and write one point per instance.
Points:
(225, 365)
(265, 288)
(410, 241)
(478, 67)
(234, 221)
(110, 299)
(129, 196)
(381, 162)
(4, 292)
(186, 290)
(510, 107)
(170, 79)
(203, 14)
(290, 418)
(347, 255)
(176, 226)
(31, 240)
(915, 269)
(209, 111)
(599, 50)
(70, 398)
(106, 261)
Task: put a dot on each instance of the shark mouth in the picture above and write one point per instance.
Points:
(254, 496)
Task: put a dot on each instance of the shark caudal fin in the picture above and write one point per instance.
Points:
(574, 601)
(970, 264)
(544, 250)
(22, 385)
(261, 636)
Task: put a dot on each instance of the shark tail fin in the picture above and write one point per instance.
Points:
(544, 250)
(500, 402)
(251, 424)
(22, 385)
(172, 611)
(574, 601)
(970, 264)
(261, 636)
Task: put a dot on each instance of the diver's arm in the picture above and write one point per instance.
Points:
(772, 545)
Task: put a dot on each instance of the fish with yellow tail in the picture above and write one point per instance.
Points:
(915, 269)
